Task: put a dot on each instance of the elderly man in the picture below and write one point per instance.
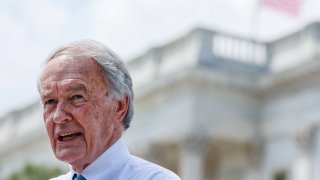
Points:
(87, 97)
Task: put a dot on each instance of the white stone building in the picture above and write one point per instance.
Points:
(210, 106)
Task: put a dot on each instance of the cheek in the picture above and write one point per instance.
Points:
(99, 108)
(48, 122)
(102, 123)
(84, 116)
(50, 129)
(95, 119)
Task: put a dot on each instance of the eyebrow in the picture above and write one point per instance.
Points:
(44, 95)
(78, 87)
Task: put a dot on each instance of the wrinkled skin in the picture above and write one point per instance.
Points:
(77, 100)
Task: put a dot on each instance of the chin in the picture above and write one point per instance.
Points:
(69, 157)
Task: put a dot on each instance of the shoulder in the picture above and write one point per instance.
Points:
(138, 168)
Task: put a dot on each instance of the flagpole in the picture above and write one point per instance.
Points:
(254, 34)
(255, 20)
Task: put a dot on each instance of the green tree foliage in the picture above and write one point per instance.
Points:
(35, 172)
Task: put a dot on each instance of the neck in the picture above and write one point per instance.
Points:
(79, 167)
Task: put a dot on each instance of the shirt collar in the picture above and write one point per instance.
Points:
(108, 163)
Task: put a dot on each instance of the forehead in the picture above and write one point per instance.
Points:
(66, 70)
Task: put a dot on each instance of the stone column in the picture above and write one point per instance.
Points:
(256, 157)
(191, 161)
(316, 154)
(301, 167)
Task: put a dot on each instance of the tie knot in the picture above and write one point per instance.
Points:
(78, 177)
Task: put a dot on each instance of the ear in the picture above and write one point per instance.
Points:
(121, 108)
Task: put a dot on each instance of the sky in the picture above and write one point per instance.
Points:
(31, 29)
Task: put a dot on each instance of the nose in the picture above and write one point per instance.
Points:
(61, 113)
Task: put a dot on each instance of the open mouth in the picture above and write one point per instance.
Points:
(68, 136)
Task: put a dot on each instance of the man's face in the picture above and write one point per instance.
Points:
(81, 117)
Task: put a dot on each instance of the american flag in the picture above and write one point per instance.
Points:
(291, 7)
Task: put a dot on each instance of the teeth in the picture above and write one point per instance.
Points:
(67, 134)
(68, 138)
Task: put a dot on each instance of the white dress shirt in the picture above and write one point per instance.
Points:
(116, 163)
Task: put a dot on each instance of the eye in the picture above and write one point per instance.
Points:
(76, 97)
(50, 102)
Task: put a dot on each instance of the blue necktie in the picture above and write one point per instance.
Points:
(78, 177)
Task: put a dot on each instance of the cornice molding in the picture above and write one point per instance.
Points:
(294, 75)
(200, 77)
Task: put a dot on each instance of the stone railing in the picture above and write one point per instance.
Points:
(200, 47)
(294, 49)
(223, 51)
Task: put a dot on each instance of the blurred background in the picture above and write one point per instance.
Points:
(225, 89)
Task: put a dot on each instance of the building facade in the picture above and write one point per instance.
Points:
(210, 106)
